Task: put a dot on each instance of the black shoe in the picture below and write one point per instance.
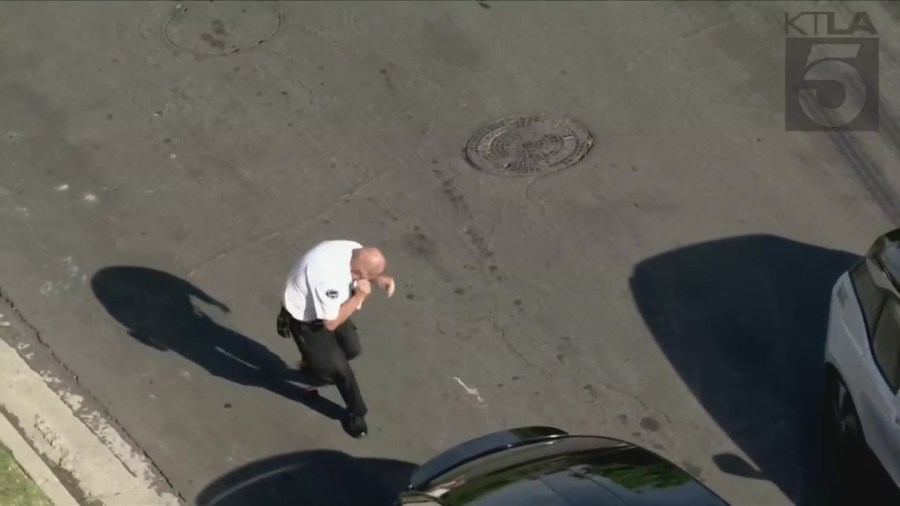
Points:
(355, 426)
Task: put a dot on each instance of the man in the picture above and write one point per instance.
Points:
(329, 283)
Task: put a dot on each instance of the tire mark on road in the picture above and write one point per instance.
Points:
(869, 173)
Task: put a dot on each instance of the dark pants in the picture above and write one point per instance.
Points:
(327, 354)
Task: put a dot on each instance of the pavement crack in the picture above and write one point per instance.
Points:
(312, 96)
(656, 45)
(535, 200)
(103, 498)
(557, 243)
(293, 64)
(704, 29)
(635, 398)
(287, 229)
(253, 240)
(422, 139)
(514, 349)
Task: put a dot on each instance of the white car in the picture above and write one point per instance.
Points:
(862, 354)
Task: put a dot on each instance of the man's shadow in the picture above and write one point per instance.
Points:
(743, 322)
(311, 478)
(166, 313)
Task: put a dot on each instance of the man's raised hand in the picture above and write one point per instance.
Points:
(364, 287)
(386, 283)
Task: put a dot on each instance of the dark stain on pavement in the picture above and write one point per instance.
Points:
(312, 478)
(212, 41)
(448, 188)
(478, 241)
(455, 197)
(420, 245)
(158, 310)
(388, 83)
(649, 423)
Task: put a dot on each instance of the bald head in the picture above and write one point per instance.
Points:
(367, 263)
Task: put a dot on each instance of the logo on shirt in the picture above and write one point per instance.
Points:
(332, 294)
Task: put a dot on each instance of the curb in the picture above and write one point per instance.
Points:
(55, 429)
(34, 466)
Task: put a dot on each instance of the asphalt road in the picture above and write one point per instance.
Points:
(670, 289)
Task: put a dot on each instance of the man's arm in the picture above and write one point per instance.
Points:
(347, 309)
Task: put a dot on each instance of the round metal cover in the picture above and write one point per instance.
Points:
(528, 146)
(218, 28)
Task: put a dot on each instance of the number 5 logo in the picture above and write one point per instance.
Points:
(831, 84)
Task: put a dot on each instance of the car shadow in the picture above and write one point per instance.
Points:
(310, 478)
(743, 321)
(167, 313)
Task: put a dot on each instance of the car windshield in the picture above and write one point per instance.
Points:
(575, 471)
(527, 453)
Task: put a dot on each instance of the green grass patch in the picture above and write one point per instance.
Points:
(16, 487)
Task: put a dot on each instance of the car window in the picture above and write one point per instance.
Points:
(890, 257)
(886, 343)
(871, 297)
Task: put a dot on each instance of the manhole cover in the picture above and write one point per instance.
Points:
(528, 146)
(217, 28)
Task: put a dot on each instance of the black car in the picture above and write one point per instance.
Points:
(545, 466)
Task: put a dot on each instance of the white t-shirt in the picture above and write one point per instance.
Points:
(320, 282)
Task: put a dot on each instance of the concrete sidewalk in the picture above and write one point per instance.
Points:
(73, 455)
(34, 467)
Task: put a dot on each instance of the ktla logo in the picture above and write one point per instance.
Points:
(831, 72)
